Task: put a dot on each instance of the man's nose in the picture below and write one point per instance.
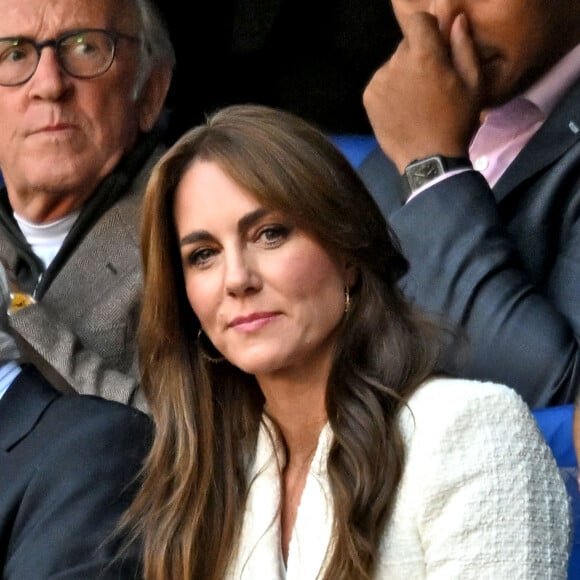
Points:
(49, 81)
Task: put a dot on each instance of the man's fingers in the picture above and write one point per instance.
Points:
(464, 55)
(421, 32)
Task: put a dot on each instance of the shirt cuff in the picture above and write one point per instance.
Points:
(439, 179)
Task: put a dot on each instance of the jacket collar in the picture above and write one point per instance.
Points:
(558, 134)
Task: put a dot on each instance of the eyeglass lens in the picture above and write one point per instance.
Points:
(82, 54)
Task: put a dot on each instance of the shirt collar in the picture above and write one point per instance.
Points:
(548, 90)
(8, 372)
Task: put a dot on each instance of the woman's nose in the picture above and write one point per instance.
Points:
(241, 275)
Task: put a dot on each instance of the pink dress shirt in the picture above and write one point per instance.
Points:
(507, 129)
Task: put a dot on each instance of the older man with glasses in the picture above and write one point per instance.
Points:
(82, 92)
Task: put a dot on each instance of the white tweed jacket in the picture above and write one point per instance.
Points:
(481, 497)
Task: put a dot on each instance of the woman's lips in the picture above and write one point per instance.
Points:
(252, 322)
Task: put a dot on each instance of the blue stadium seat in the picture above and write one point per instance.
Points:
(354, 147)
(556, 425)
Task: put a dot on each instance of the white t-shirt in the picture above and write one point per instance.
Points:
(46, 239)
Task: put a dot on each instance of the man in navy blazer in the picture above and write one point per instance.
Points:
(477, 115)
(68, 469)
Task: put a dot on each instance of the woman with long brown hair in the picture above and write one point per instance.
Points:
(302, 430)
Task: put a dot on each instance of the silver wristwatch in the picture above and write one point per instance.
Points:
(422, 171)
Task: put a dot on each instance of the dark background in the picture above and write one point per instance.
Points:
(311, 57)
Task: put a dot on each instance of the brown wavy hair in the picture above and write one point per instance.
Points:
(191, 505)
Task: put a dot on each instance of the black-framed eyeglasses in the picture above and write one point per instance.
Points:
(85, 53)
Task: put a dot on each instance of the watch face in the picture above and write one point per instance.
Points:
(422, 172)
(427, 170)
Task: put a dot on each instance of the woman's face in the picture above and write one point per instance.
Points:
(267, 294)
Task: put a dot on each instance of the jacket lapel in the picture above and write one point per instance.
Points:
(22, 406)
(556, 136)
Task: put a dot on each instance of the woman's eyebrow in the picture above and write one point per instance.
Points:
(196, 236)
(243, 224)
(249, 219)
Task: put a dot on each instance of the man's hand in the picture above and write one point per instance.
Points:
(426, 99)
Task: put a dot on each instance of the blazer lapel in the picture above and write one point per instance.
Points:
(22, 406)
(556, 136)
(312, 535)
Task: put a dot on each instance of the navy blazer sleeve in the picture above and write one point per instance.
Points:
(64, 485)
(502, 265)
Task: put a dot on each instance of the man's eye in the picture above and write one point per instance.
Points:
(14, 53)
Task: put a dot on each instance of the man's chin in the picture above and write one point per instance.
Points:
(499, 94)
(52, 175)
(498, 88)
(502, 83)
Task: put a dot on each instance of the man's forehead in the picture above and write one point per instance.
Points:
(44, 18)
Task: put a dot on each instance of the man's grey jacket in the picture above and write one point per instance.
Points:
(81, 332)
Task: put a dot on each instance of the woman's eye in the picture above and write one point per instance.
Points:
(273, 235)
(200, 257)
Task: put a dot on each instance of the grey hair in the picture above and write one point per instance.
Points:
(156, 45)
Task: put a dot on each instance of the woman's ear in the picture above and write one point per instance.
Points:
(351, 274)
